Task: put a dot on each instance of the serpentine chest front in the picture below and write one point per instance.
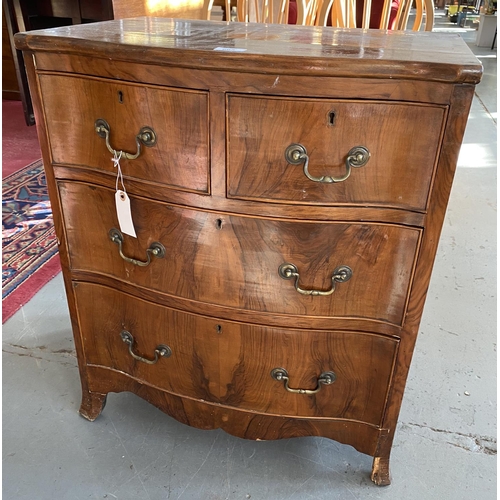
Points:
(286, 188)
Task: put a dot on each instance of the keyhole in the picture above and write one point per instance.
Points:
(218, 329)
(218, 224)
(331, 118)
(120, 97)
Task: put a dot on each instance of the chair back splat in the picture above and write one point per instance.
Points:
(374, 14)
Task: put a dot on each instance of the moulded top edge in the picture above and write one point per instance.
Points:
(253, 47)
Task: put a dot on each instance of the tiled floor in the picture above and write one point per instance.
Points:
(445, 447)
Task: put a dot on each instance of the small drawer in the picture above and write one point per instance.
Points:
(395, 169)
(234, 364)
(178, 158)
(245, 262)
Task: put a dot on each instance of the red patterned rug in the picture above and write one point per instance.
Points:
(30, 256)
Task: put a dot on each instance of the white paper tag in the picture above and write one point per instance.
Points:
(124, 213)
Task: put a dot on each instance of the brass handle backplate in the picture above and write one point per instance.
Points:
(281, 375)
(156, 249)
(161, 351)
(146, 136)
(358, 156)
(289, 271)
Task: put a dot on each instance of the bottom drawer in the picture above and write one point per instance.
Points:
(232, 363)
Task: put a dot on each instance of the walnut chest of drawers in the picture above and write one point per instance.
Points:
(288, 187)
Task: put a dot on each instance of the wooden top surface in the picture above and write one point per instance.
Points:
(266, 48)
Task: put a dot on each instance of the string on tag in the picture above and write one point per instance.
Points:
(119, 175)
(122, 200)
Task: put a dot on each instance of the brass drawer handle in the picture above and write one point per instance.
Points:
(156, 249)
(326, 378)
(357, 157)
(161, 351)
(146, 136)
(289, 271)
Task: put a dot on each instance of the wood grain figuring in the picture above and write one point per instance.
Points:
(217, 192)
(179, 159)
(244, 424)
(262, 48)
(216, 203)
(243, 315)
(363, 363)
(260, 129)
(273, 83)
(237, 264)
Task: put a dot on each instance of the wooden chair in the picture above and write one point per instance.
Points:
(226, 6)
(308, 12)
(277, 11)
(185, 9)
(344, 14)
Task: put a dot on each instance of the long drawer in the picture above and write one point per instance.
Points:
(179, 157)
(224, 362)
(395, 168)
(359, 270)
